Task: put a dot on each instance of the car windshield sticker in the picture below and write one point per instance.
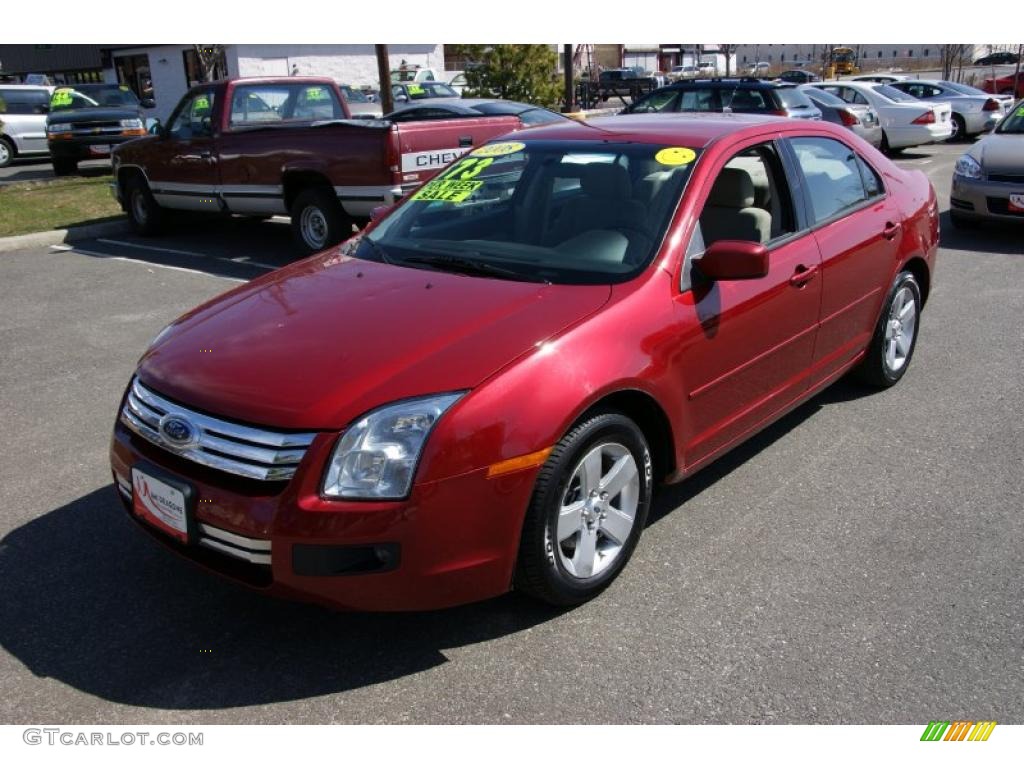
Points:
(316, 94)
(61, 98)
(497, 150)
(1020, 112)
(415, 90)
(675, 156)
(202, 104)
(124, 88)
(457, 183)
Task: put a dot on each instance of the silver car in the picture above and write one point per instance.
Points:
(974, 111)
(988, 180)
(23, 111)
(859, 118)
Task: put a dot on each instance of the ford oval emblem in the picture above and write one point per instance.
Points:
(177, 430)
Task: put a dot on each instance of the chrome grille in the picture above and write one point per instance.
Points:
(255, 551)
(239, 450)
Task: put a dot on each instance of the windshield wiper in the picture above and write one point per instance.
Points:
(450, 263)
(377, 249)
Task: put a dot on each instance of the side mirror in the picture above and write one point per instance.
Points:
(147, 104)
(156, 128)
(734, 260)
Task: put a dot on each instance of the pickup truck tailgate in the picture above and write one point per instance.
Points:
(427, 146)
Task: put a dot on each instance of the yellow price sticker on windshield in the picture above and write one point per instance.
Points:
(415, 90)
(447, 190)
(200, 104)
(1020, 112)
(499, 149)
(124, 88)
(675, 156)
(61, 98)
(316, 94)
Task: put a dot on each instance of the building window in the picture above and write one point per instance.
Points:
(910, 53)
(194, 70)
(879, 54)
(895, 53)
(134, 72)
(926, 51)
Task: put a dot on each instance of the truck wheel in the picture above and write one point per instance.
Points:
(318, 220)
(144, 213)
(6, 152)
(64, 167)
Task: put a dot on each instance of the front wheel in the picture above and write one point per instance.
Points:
(6, 152)
(588, 510)
(959, 129)
(895, 338)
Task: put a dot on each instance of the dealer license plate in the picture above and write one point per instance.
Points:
(160, 504)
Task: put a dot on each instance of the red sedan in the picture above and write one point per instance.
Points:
(1004, 85)
(481, 391)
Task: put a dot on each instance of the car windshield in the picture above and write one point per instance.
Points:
(92, 97)
(967, 90)
(581, 212)
(892, 94)
(825, 97)
(353, 96)
(1013, 122)
(529, 115)
(430, 91)
(792, 98)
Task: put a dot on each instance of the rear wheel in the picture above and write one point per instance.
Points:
(144, 212)
(959, 129)
(63, 166)
(318, 220)
(6, 152)
(892, 346)
(588, 510)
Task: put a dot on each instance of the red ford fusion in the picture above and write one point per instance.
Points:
(481, 391)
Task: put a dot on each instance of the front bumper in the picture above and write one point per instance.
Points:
(452, 541)
(983, 199)
(86, 147)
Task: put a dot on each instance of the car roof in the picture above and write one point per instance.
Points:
(690, 129)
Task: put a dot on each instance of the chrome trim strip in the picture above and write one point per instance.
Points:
(124, 487)
(256, 545)
(227, 549)
(239, 450)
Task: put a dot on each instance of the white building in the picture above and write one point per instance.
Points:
(170, 70)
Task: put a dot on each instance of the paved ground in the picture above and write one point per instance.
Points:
(860, 561)
(40, 169)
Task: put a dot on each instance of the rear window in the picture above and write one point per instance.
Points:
(826, 98)
(893, 94)
(792, 98)
(268, 104)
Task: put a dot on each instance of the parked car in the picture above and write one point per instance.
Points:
(906, 122)
(972, 113)
(859, 118)
(415, 74)
(87, 121)
(284, 145)
(444, 109)
(23, 111)
(681, 72)
(419, 91)
(629, 82)
(458, 83)
(1004, 86)
(707, 68)
(988, 180)
(999, 57)
(759, 68)
(360, 104)
(746, 95)
(879, 77)
(481, 391)
(798, 76)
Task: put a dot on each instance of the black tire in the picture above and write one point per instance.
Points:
(959, 129)
(144, 213)
(962, 222)
(62, 166)
(318, 220)
(876, 369)
(7, 152)
(540, 571)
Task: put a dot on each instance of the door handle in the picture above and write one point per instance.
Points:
(465, 141)
(803, 275)
(891, 230)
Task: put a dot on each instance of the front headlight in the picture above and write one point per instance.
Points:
(376, 457)
(59, 128)
(967, 167)
(132, 122)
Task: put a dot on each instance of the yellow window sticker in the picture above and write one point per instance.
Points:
(316, 94)
(447, 190)
(1020, 112)
(499, 149)
(415, 90)
(124, 88)
(675, 156)
(61, 98)
(202, 103)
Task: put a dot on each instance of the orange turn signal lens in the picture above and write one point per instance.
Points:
(534, 459)
(134, 132)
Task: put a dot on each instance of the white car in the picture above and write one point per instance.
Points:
(23, 111)
(879, 77)
(906, 122)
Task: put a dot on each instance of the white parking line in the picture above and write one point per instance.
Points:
(158, 266)
(246, 260)
(126, 244)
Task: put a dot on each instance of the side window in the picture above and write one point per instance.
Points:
(663, 101)
(749, 200)
(873, 186)
(194, 117)
(316, 102)
(698, 100)
(833, 174)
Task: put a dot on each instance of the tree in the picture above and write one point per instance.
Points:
(517, 72)
(952, 57)
(209, 57)
(728, 50)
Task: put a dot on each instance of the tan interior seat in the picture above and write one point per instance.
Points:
(730, 214)
(605, 202)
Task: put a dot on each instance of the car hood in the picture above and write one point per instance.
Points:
(315, 344)
(93, 115)
(1000, 153)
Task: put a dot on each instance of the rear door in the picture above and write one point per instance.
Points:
(182, 166)
(857, 225)
(749, 355)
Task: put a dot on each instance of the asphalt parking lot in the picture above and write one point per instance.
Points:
(858, 562)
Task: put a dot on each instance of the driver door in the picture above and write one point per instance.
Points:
(185, 173)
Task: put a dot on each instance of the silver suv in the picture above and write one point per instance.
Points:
(23, 111)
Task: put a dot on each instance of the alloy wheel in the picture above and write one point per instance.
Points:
(900, 329)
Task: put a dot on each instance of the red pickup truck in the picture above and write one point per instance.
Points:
(286, 145)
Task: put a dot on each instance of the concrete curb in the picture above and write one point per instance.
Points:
(58, 236)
